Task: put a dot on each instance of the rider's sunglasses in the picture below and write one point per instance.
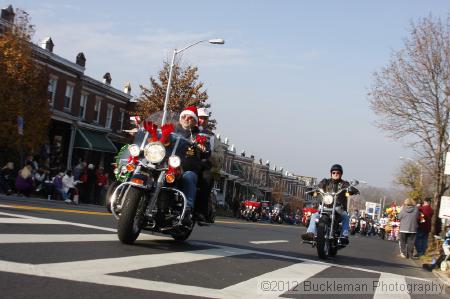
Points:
(335, 172)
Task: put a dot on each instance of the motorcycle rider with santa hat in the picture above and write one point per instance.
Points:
(192, 156)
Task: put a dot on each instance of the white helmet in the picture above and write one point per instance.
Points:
(202, 112)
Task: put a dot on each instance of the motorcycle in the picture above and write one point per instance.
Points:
(122, 166)
(363, 227)
(353, 224)
(328, 225)
(276, 215)
(122, 173)
(151, 198)
(379, 231)
(252, 210)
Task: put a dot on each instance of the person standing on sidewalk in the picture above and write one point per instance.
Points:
(100, 185)
(424, 228)
(90, 184)
(408, 217)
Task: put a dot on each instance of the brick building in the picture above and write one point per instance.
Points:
(88, 116)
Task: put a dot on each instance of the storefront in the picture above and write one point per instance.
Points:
(93, 147)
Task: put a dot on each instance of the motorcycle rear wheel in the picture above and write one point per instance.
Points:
(322, 243)
(131, 219)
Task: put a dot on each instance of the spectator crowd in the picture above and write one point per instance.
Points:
(86, 183)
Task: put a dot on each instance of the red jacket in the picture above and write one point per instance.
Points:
(428, 213)
(102, 179)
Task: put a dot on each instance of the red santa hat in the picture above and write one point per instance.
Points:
(191, 111)
(136, 119)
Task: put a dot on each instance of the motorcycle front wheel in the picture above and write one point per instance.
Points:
(322, 243)
(132, 216)
(110, 192)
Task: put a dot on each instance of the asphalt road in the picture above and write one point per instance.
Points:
(51, 249)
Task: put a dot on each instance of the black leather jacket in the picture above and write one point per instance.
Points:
(191, 157)
(330, 185)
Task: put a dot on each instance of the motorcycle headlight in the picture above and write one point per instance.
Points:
(328, 199)
(154, 152)
(134, 150)
(174, 161)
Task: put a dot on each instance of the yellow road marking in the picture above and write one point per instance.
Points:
(21, 207)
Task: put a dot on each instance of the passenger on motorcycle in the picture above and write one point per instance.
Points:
(205, 179)
(332, 185)
(191, 162)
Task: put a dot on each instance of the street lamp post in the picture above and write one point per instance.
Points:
(216, 41)
(420, 166)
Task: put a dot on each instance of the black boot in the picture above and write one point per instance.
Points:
(308, 236)
(344, 240)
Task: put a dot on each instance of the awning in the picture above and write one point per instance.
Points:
(94, 141)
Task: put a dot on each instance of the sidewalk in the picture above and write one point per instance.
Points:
(36, 200)
(442, 276)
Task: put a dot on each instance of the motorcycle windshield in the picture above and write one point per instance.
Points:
(142, 137)
(178, 143)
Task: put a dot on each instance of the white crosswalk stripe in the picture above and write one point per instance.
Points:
(99, 271)
(390, 279)
(269, 242)
(300, 271)
(57, 238)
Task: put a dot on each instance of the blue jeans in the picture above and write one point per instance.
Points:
(62, 193)
(189, 187)
(421, 242)
(344, 219)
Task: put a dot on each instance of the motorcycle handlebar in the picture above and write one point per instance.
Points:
(190, 142)
(322, 192)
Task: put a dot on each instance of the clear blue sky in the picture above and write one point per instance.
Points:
(290, 84)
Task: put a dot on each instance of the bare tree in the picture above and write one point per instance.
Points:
(411, 96)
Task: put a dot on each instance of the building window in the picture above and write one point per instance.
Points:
(109, 114)
(83, 103)
(97, 107)
(52, 83)
(122, 116)
(68, 97)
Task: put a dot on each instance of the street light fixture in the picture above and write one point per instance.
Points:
(216, 41)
